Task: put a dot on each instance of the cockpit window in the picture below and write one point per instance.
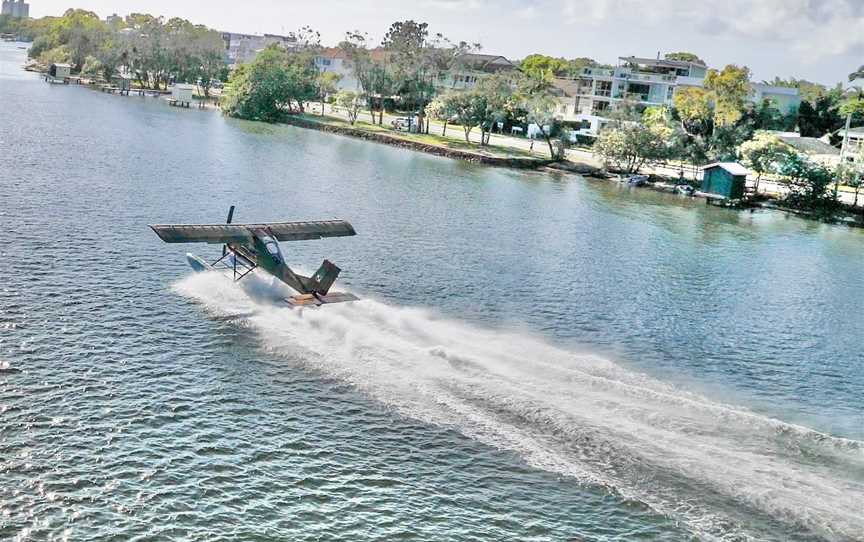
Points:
(273, 248)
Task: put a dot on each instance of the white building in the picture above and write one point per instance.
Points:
(334, 60)
(642, 82)
(242, 48)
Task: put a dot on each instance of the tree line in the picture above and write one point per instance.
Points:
(154, 51)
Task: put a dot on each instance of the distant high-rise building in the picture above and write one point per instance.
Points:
(18, 9)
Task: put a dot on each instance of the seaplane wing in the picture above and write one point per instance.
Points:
(244, 233)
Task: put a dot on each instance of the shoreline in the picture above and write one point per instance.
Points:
(428, 148)
(582, 169)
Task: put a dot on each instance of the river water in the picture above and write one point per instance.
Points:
(536, 357)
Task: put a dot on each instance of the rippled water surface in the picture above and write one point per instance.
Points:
(536, 357)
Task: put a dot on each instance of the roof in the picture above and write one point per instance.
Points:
(660, 62)
(853, 132)
(486, 63)
(732, 167)
(809, 145)
(771, 89)
(62, 65)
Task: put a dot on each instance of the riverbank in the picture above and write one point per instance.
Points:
(498, 156)
(490, 155)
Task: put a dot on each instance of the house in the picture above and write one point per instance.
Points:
(854, 144)
(334, 60)
(466, 70)
(813, 148)
(469, 68)
(726, 179)
(787, 100)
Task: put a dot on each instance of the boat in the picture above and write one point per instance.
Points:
(637, 180)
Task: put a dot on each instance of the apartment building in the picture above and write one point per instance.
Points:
(18, 10)
(643, 82)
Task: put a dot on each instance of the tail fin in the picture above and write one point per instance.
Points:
(324, 278)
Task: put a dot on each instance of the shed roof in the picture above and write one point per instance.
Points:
(809, 145)
(732, 167)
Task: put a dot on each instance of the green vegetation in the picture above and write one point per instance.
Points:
(276, 83)
(155, 51)
(684, 57)
(547, 67)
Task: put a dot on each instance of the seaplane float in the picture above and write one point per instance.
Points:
(247, 247)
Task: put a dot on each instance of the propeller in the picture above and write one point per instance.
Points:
(230, 218)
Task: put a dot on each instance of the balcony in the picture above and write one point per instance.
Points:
(598, 72)
(649, 77)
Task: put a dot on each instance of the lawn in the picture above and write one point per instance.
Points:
(496, 151)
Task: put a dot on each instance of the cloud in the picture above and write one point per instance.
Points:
(811, 28)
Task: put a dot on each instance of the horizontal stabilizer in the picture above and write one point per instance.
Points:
(311, 300)
(244, 233)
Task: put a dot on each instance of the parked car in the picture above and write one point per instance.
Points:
(402, 124)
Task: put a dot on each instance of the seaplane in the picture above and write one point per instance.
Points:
(247, 247)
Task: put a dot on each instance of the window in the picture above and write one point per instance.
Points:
(604, 88)
(601, 106)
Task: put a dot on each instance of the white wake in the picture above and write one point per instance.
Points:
(729, 474)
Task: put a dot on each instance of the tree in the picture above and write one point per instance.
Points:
(540, 109)
(629, 147)
(684, 57)
(327, 83)
(765, 153)
(274, 84)
(439, 109)
(694, 108)
(730, 88)
(851, 174)
(809, 184)
(820, 117)
(808, 90)
(351, 102)
(543, 67)
(466, 109)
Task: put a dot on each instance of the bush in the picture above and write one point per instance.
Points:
(628, 148)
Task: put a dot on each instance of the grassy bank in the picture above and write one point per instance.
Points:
(430, 143)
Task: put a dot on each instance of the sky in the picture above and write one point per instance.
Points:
(818, 40)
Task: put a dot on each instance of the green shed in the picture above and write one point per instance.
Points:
(726, 179)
